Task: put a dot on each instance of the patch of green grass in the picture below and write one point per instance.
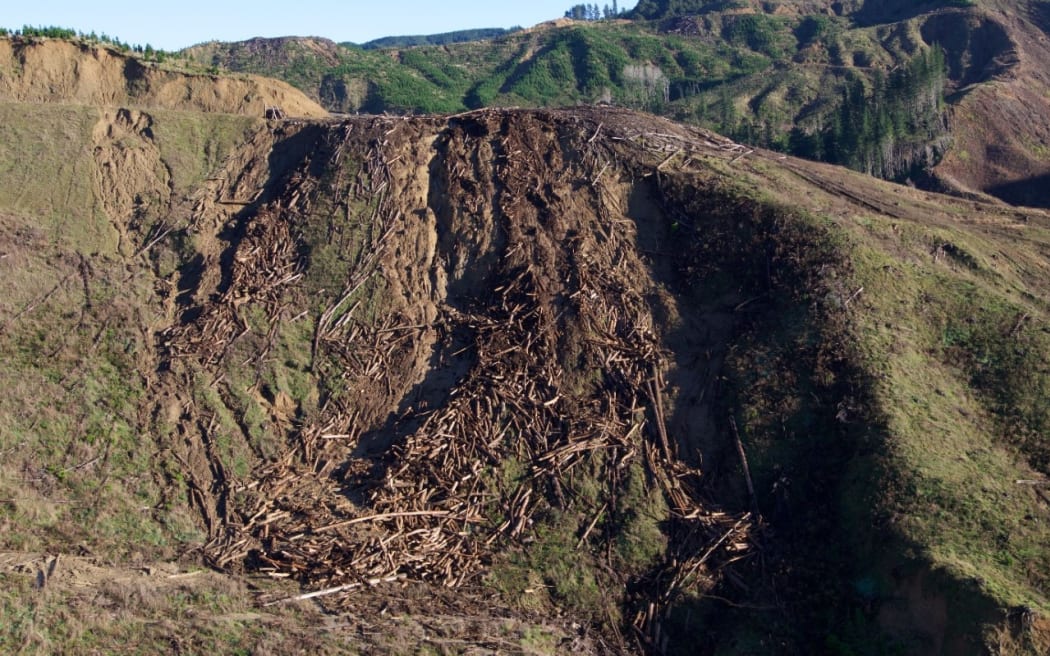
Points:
(555, 568)
(76, 466)
(963, 393)
(234, 436)
(290, 373)
(194, 145)
(640, 540)
(536, 640)
(948, 336)
(46, 172)
(761, 33)
(888, 394)
(568, 575)
(127, 612)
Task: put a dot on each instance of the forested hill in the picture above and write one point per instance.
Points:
(880, 11)
(895, 92)
(445, 38)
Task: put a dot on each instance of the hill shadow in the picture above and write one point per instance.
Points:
(1040, 13)
(876, 12)
(1031, 192)
(975, 52)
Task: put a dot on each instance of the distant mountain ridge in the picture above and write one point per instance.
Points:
(458, 36)
(776, 74)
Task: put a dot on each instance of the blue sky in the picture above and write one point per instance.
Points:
(176, 24)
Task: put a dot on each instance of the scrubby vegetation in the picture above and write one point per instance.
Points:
(890, 129)
(445, 38)
(722, 70)
(147, 51)
(657, 9)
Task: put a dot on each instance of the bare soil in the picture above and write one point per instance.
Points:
(58, 71)
(999, 125)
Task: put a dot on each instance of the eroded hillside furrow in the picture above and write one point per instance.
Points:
(132, 181)
(247, 251)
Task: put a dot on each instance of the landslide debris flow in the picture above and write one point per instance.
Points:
(459, 337)
(585, 375)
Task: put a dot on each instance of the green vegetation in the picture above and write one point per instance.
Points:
(884, 131)
(857, 95)
(839, 104)
(942, 401)
(811, 30)
(62, 200)
(192, 146)
(558, 569)
(625, 64)
(147, 52)
(658, 9)
(761, 33)
(592, 12)
(73, 360)
(443, 39)
(949, 345)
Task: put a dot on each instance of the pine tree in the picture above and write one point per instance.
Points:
(578, 12)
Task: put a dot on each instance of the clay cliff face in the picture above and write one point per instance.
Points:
(56, 71)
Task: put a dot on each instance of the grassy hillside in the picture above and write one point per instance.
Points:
(952, 451)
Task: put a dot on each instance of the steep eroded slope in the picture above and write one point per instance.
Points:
(617, 384)
(37, 70)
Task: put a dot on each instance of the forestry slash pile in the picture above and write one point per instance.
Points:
(472, 309)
